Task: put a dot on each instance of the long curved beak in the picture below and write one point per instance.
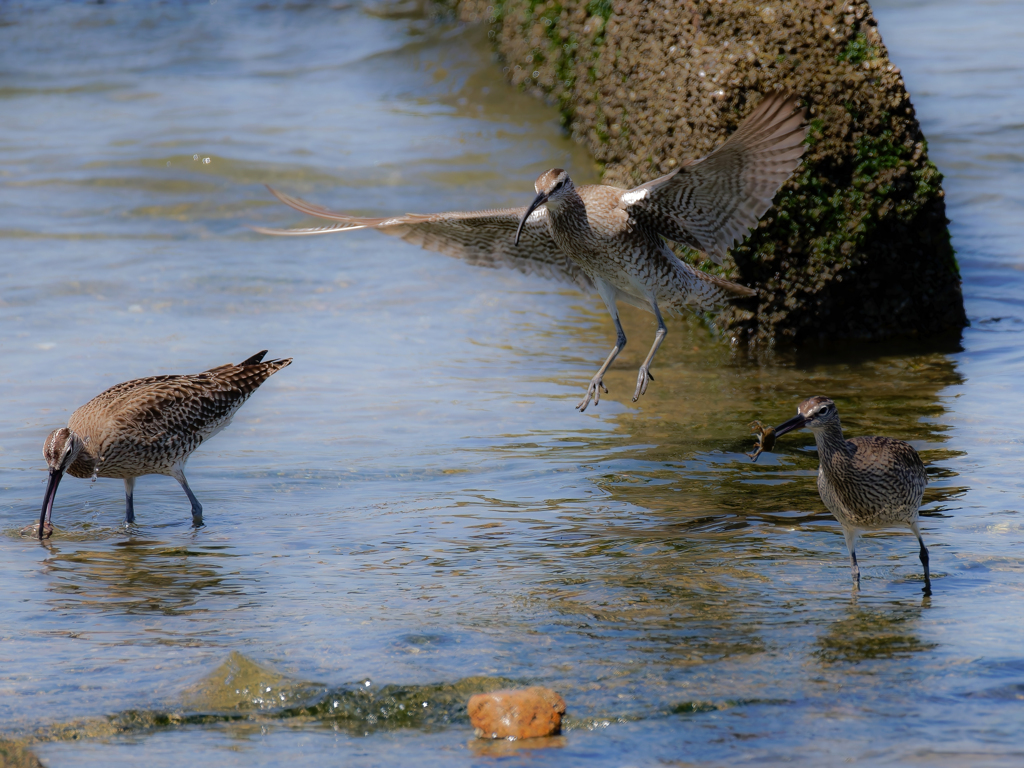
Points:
(51, 494)
(538, 201)
(788, 426)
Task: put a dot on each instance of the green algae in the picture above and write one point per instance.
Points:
(602, 8)
(857, 50)
(241, 690)
(865, 635)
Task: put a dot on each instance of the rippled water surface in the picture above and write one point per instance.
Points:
(414, 511)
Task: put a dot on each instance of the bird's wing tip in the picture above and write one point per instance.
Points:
(305, 230)
(255, 359)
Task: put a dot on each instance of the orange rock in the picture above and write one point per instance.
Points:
(527, 713)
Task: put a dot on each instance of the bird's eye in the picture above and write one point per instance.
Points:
(558, 186)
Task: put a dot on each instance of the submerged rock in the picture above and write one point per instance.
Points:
(14, 755)
(857, 244)
(527, 713)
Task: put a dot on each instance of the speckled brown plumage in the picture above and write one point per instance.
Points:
(150, 426)
(867, 483)
(610, 239)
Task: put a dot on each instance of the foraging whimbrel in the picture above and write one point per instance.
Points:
(150, 426)
(867, 483)
(611, 239)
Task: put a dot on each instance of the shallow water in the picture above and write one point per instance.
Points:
(413, 511)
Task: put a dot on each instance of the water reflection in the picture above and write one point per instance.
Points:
(139, 576)
(505, 749)
(867, 633)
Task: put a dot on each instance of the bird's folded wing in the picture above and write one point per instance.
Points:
(483, 238)
(160, 406)
(145, 409)
(712, 203)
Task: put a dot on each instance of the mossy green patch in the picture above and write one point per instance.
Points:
(857, 50)
(602, 8)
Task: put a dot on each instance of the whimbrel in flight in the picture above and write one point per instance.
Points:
(611, 239)
(867, 483)
(150, 426)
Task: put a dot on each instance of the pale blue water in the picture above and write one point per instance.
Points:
(415, 501)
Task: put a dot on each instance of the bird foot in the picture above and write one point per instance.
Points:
(642, 379)
(593, 392)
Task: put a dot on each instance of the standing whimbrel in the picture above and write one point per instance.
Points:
(150, 427)
(611, 239)
(866, 482)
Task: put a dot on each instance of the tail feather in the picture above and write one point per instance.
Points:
(737, 290)
(254, 359)
(249, 377)
(249, 374)
(701, 292)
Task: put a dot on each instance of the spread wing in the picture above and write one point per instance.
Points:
(712, 203)
(482, 238)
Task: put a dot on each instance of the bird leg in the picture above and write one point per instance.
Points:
(923, 555)
(129, 504)
(197, 508)
(851, 544)
(645, 373)
(597, 383)
(607, 292)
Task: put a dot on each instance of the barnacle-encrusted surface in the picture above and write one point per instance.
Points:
(856, 244)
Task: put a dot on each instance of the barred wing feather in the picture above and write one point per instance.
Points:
(712, 203)
(481, 238)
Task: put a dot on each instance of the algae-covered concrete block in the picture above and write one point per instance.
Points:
(857, 244)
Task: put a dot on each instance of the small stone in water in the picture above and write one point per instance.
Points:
(526, 713)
